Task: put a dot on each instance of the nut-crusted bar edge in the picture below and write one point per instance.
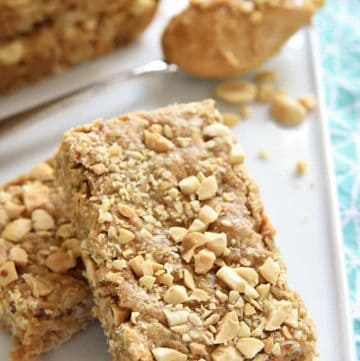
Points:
(243, 35)
(178, 250)
(52, 48)
(44, 298)
(22, 17)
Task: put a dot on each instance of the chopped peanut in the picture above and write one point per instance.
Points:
(177, 233)
(168, 354)
(125, 236)
(147, 281)
(204, 261)
(127, 211)
(157, 142)
(16, 230)
(231, 278)
(165, 279)
(207, 188)
(197, 349)
(208, 215)
(249, 346)
(42, 220)
(228, 328)
(136, 265)
(189, 244)
(230, 119)
(226, 353)
(19, 256)
(216, 130)
(175, 318)
(280, 312)
(175, 294)
(200, 295)
(189, 280)
(237, 155)
(216, 242)
(249, 274)
(270, 270)
(60, 261)
(8, 273)
(189, 185)
(197, 226)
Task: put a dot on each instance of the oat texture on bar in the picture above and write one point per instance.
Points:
(177, 247)
(44, 298)
(40, 38)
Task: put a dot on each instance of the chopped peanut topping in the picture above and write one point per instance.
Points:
(270, 270)
(226, 353)
(249, 274)
(216, 130)
(114, 277)
(249, 346)
(119, 264)
(208, 188)
(60, 261)
(147, 281)
(125, 236)
(175, 294)
(244, 330)
(208, 215)
(73, 245)
(165, 279)
(190, 242)
(216, 242)
(16, 230)
(279, 313)
(8, 273)
(42, 220)
(197, 226)
(136, 265)
(237, 155)
(189, 185)
(127, 211)
(168, 354)
(231, 278)
(99, 169)
(204, 261)
(197, 349)
(35, 195)
(19, 256)
(236, 92)
(228, 328)
(157, 142)
(177, 233)
(189, 280)
(199, 295)
(175, 318)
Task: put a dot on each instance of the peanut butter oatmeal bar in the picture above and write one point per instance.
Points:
(73, 38)
(44, 299)
(243, 33)
(178, 250)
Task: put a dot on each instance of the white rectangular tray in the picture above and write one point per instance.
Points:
(304, 210)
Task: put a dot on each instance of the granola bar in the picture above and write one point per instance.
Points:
(55, 46)
(22, 17)
(44, 298)
(177, 247)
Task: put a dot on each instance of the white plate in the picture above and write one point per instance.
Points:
(306, 217)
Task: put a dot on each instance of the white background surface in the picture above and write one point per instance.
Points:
(301, 213)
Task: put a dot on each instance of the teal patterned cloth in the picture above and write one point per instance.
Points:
(338, 29)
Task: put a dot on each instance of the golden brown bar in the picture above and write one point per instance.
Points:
(178, 250)
(56, 45)
(44, 298)
(243, 34)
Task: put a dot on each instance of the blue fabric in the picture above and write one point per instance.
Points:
(338, 29)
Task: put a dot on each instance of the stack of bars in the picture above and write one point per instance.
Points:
(177, 250)
(39, 38)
